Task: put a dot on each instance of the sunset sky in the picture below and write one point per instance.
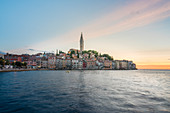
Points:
(137, 30)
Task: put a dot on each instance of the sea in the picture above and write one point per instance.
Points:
(88, 91)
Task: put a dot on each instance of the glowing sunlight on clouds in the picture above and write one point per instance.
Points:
(136, 14)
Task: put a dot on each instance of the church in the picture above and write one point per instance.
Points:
(77, 51)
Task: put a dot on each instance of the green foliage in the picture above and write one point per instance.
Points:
(72, 52)
(107, 56)
(89, 55)
(13, 64)
(61, 52)
(91, 51)
(2, 62)
(7, 62)
(18, 64)
(97, 54)
(83, 52)
(24, 64)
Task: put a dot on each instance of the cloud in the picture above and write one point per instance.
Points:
(27, 51)
(130, 16)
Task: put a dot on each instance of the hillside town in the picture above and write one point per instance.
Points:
(74, 59)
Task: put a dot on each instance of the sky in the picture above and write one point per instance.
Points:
(135, 30)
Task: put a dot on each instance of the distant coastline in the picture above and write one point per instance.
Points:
(74, 59)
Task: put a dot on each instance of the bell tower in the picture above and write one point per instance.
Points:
(81, 43)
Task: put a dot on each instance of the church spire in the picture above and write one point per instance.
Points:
(81, 35)
(81, 43)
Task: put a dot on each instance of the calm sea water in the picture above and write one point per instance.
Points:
(133, 91)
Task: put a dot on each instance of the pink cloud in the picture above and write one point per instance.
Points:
(128, 20)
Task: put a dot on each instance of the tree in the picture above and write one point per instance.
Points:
(107, 56)
(93, 51)
(72, 52)
(18, 64)
(89, 55)
(83, 52)
(7, 62)
(2, 62)
(61, 52)
(24, 64)
(13, 64)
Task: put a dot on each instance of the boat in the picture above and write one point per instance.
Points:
(67, 71)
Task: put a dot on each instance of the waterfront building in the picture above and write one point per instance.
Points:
(124, 64)
(84, 64)
(38, 61)
(75, 63)
(19, 59)
(51, 62)
(91, 64)
(74, 56)
(31, 64)
(59, 63)
(44, 62)
(80, 63)
(130, 65)
(107, 64)
(81, 44)
(133, 66)
(11, 57)
(85, 55)
(99, 64)
(67, 56)
(25, 57)
(68, 63)
(64, 64)
(117, 64)
(113, 65)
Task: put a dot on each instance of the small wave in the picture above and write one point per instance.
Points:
(157, 99)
